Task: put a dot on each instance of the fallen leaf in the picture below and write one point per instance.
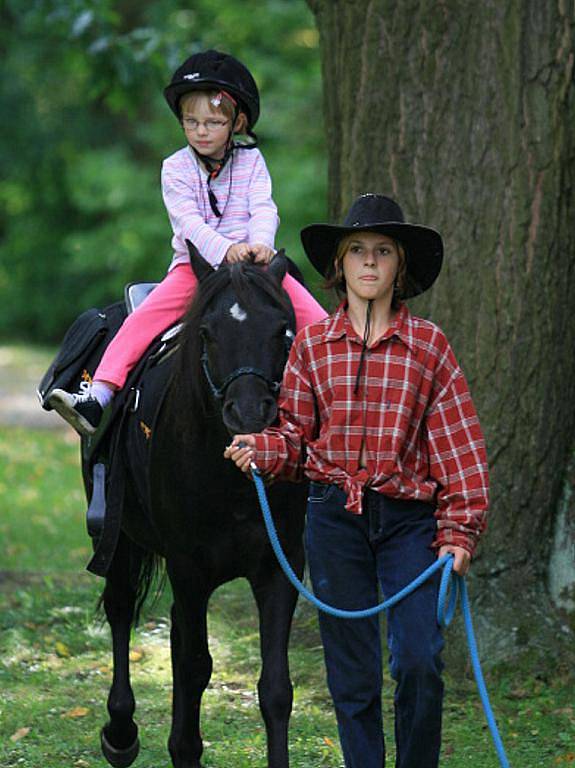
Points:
(76, 712)
(62, 650)
(329, 742)
(136, 655)
(518, 693)
(19, 734)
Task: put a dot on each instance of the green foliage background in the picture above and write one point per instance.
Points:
(85, 128)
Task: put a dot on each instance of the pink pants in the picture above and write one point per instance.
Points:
(165, 306)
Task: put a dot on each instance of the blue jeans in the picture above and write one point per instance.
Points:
(349, 557)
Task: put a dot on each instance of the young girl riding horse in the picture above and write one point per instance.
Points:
(376, 412)
(218, 195)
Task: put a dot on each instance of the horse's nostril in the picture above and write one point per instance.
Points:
(268, 409)
(230, 408)
(240, 416)
(231, 413)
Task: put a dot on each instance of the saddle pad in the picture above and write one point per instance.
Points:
(140, 422)
(81, 350)
(124, 446)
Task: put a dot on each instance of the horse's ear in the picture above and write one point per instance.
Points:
(200, 267)
(278, 266)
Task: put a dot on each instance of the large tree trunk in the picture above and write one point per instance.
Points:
(464, 113)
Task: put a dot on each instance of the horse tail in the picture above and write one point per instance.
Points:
(135, 571)
(151, 578)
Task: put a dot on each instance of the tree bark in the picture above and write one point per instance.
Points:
(465, 113)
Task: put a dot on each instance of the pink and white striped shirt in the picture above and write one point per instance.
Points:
(244, 194)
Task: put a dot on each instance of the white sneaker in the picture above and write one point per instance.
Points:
(82, 411)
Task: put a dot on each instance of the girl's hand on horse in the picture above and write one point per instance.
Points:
(244, 455)
(262, 254)
(238, 252)
(462, 558)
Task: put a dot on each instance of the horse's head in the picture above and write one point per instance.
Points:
(241, 324)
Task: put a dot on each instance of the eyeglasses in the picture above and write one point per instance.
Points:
(211, 126)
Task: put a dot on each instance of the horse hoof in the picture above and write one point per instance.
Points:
(119, 758)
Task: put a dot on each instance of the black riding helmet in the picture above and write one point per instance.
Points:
(213, 69)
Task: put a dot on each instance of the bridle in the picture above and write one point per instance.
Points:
(247, 370)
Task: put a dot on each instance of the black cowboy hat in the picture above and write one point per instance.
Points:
(213, 69)
(423, 246)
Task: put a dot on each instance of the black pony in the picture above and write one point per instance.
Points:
(203, 515)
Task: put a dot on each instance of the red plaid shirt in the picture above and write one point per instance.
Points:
(413, 412)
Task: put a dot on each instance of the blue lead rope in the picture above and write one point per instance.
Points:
(451, 583)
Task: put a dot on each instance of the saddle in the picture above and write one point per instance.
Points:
(129, 422)
(84, 343)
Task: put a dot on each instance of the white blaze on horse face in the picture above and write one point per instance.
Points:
(238, 313)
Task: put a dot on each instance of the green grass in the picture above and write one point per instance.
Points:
(42, 502)
(55, 654)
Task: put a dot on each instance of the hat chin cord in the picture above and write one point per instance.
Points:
(366, 334)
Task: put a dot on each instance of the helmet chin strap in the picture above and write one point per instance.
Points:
(366, 334)
(215, 166)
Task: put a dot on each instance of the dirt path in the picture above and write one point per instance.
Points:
(21, 369)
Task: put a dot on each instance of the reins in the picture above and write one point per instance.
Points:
(451, 584)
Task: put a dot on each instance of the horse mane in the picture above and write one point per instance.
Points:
(247, 281)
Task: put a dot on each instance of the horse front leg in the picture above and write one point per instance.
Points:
(119, 738)
(191, 669)
(276, 600)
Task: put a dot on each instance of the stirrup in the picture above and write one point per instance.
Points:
(97, 508)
